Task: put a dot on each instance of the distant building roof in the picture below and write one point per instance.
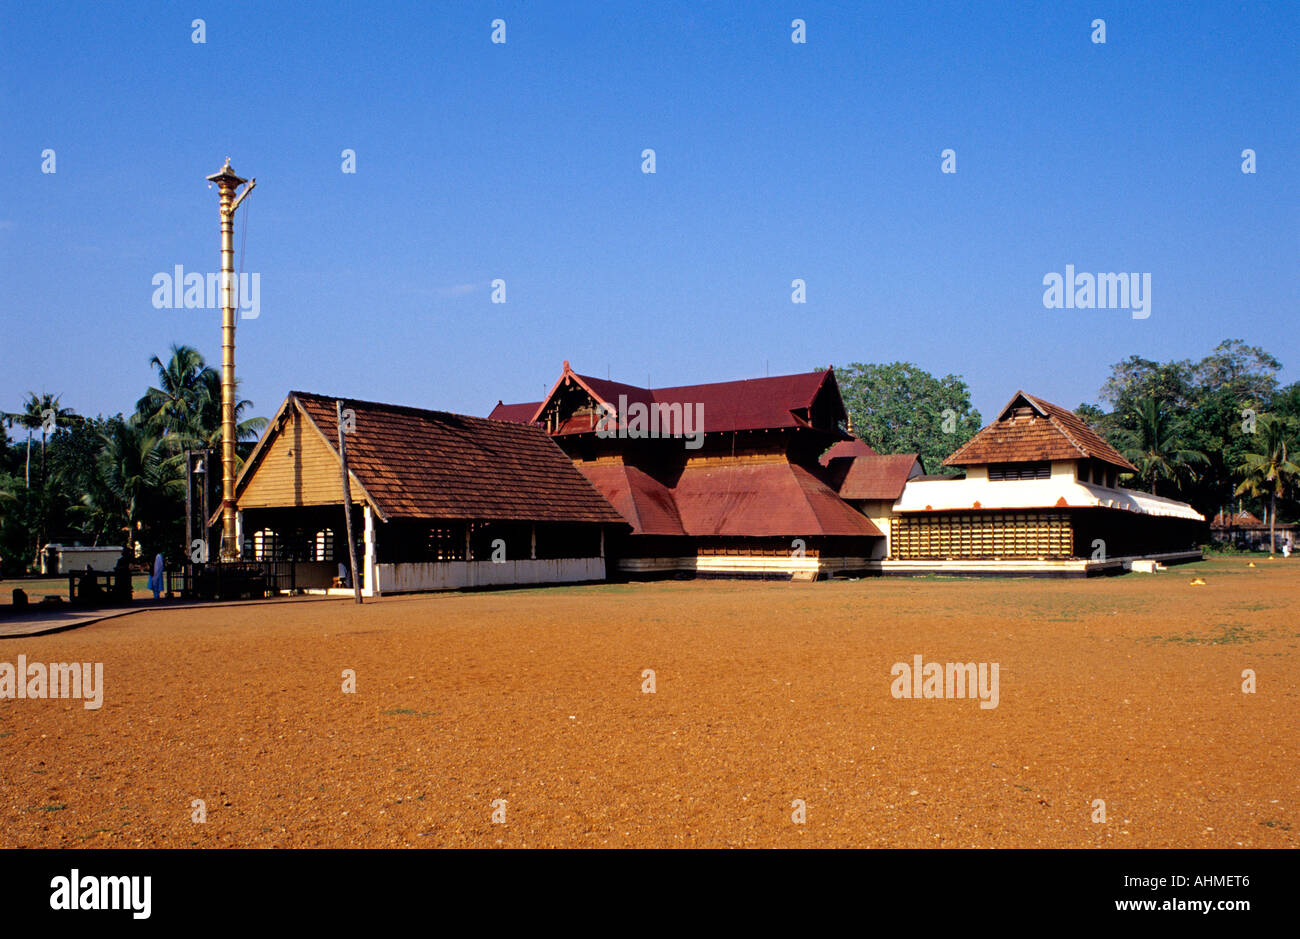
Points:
(515, 413)
(1246, 521)
(1030, 429)
(413, 463)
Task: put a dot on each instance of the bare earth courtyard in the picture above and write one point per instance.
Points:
(1127, 690)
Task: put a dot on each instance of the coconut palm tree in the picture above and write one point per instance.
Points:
(185, 409)
(134, 474)
(1157, 449)
(43, 411)
(173, 411)
(1273, 469)
(246, 429)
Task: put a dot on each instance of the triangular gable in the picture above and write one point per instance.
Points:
(294, 463)
(810, 400)
(1046, 432)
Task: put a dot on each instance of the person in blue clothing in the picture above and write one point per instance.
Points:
(156, 578)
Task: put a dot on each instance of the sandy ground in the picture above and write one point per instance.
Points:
(1127, 690)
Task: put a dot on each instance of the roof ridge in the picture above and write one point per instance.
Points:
(384, 405)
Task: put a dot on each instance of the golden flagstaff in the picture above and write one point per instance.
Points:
(227, 183)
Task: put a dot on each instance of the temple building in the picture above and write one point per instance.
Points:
(726, 482)
(1037, 493)
(752, 478)
(439, 500)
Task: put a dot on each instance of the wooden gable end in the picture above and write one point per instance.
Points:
(298, 468)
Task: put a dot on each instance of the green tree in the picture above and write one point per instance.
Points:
(1156, 448)
(901, 408)
(1272, 469)
(1246, 371)
(174, 410)
(1136, 378)
(247, 430)
(184, 410)
(135, 482)
(41, 412)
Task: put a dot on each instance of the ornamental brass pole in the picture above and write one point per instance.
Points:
(227, 183)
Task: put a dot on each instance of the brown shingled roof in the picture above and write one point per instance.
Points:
(1047, 432)
(413, 463)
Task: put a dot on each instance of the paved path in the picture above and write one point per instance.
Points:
(40, 621)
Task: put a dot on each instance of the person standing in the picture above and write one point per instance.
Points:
(156, 579)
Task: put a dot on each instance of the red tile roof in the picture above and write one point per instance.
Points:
(430, 464)
(515, 413)
(644, 502)
(750, 404)
(763, 500)
(846, 449)
(1247, 521)
(873, 477)
(1047, 432)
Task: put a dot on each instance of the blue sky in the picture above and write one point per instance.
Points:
(522, 161)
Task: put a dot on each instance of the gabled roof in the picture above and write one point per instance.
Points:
(413, 463)
(780, 401)
(1247, 521)
(1031, 429)
(515, 413)
(874, 477)
(1237, 520)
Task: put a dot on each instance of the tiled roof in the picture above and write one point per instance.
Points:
(846, 448)
(756, 500)
(515, 413)
(430, 464)
(872, 477)
(763, 500)
(644, 502)
(1048, 432)
(1247, 521)
(750, 404)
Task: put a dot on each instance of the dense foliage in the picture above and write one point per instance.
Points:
(900, 408)
(1218, 433)
(65, 478)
